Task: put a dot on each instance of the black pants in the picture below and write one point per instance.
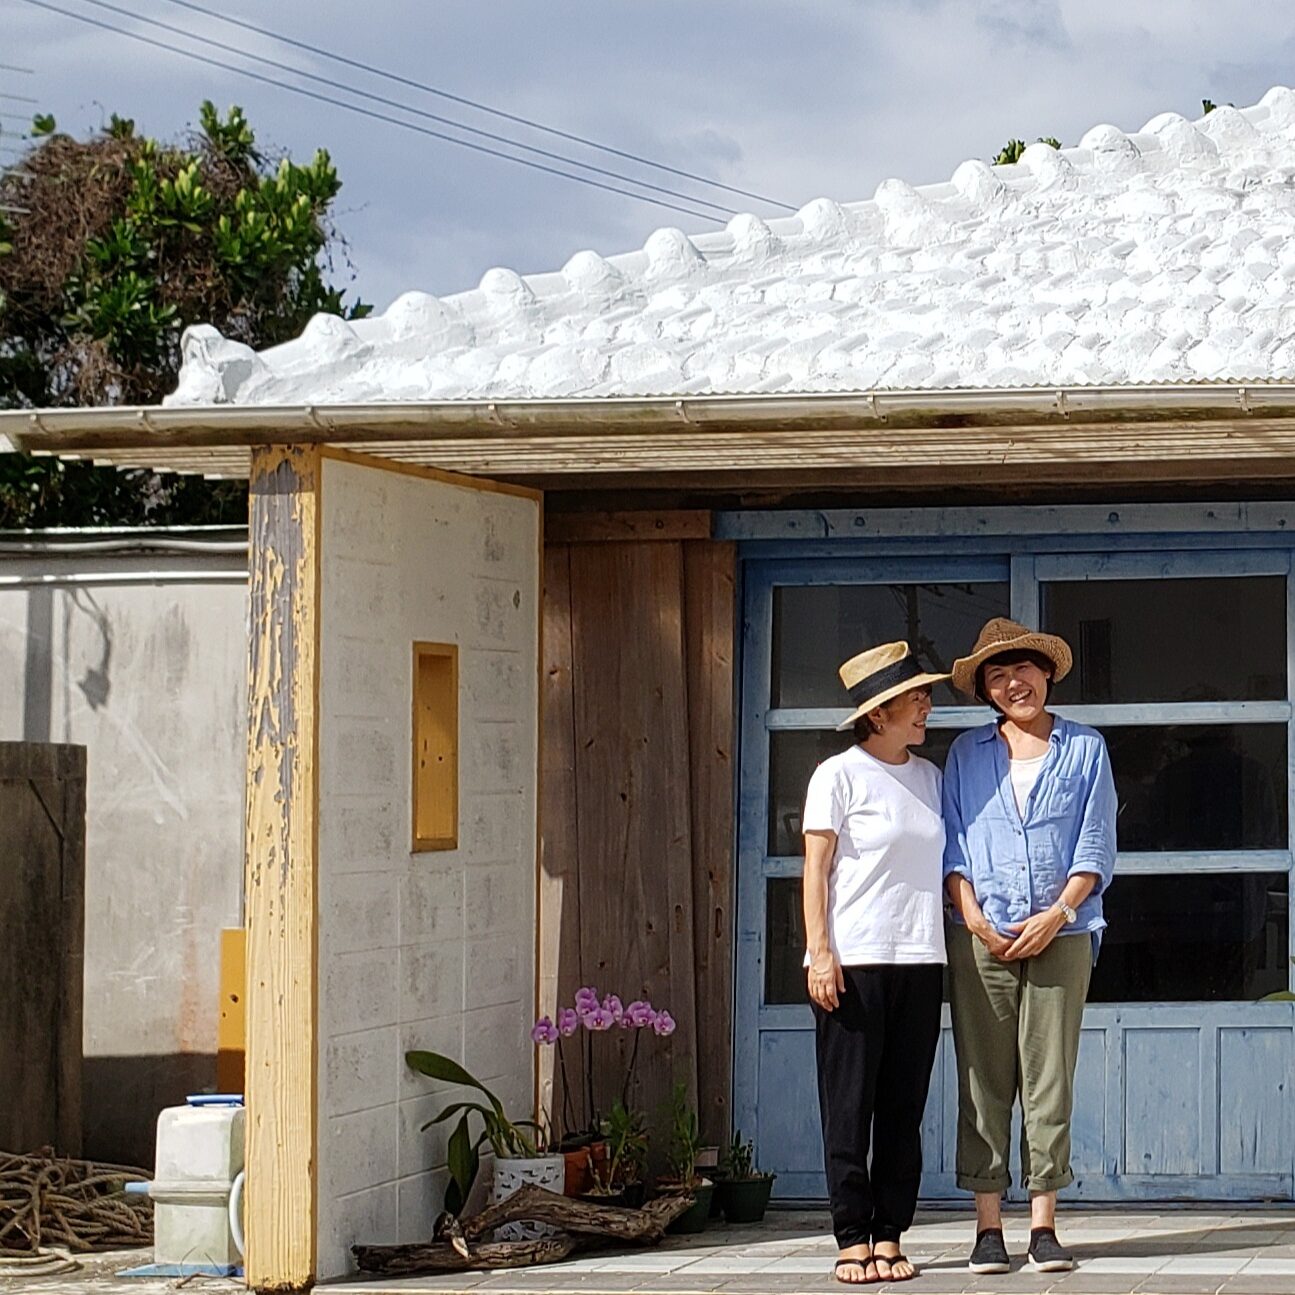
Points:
(875, 1054)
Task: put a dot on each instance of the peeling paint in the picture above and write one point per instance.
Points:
(281, 865)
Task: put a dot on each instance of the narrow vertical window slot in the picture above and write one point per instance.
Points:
(436, 746)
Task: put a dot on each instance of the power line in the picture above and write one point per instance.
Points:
(403, 107)
(365, 112)
(472, 103)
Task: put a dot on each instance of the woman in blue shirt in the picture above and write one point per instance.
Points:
(1029, 810)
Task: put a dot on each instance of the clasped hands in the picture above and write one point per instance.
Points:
(1030, 937)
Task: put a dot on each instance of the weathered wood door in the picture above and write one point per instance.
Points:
(1186, 661)
(42, 891)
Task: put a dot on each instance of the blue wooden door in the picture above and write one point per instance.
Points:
(1186, 661)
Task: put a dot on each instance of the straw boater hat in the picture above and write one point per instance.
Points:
(1003, 635)
(879, 674)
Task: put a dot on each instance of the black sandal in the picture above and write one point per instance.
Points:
(861, 1261)
(892, 1260)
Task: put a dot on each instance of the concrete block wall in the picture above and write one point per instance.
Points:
(135, 645)
(419, 950)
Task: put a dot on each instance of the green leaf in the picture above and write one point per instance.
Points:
(438, 1066)
(454, 1108)
(462, 1160)
(42, 123)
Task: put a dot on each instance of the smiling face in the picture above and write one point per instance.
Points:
(904, 717)
(1017, 689)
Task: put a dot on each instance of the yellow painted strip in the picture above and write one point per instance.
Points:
(231, 1022)
(282, 868)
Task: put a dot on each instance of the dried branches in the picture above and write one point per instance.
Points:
(79, 1204)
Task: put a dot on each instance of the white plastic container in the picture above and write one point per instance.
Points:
(199, 1154)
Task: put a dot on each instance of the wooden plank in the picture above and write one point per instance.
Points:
(597, 527)
(559, 971)
(42, 892)
(282, 867)
(231, 1019)
(632, 787)
(710, 579)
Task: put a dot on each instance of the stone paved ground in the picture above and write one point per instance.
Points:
(1120, 1252)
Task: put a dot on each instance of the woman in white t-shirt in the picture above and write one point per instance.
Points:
(874, 925)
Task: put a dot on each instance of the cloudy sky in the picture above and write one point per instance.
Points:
(788, 100)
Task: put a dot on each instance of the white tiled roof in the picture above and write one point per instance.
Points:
(1165, 255)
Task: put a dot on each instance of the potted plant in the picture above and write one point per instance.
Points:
(518, 1158)
(619, 1178)
(582, 1140)
(742, 1189)
(685, 1142)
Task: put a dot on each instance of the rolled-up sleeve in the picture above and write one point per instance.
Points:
(1095, 848)
(955, 830)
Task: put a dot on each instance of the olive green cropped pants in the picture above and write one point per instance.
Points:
(1016, 1030)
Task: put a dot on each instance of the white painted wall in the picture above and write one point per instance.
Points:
(436, 949)
(140, 655)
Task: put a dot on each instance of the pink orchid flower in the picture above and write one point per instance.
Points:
(612, 1004)
(599, 1019)
(544, 1031)
(568, 1022)
(664, 1024)
(639, 1013)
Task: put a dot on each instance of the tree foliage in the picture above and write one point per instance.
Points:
(109, 247)
(1012, 150)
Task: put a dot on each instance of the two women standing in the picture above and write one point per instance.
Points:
(1021, 839)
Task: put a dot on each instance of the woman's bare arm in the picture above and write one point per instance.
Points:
(826, 982)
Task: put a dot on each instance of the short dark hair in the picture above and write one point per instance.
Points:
(1015, 656)
(864, 728)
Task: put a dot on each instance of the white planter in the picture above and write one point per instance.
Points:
(511, 1175)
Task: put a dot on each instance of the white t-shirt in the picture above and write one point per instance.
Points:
(1024, 774)
(884, 898)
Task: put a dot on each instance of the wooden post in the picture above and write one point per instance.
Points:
(282, 865)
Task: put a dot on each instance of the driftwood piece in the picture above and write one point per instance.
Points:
(613, 1222)
(583, 1226)
(441, 1257)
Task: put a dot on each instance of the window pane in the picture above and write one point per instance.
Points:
(1200, 786)
(815, 628)
(1208, 639)
(1193, 937)
(784, 942)
(793, 757)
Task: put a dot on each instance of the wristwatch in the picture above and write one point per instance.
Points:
(1067, 912)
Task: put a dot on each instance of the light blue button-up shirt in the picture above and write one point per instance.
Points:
(1019, 863)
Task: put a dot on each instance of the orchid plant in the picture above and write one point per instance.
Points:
(592, 1015)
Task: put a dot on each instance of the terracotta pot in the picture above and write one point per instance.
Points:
(578, 1175)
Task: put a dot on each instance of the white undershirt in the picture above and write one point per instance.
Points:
(1024, 774)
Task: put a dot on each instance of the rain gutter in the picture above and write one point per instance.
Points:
(135, 426)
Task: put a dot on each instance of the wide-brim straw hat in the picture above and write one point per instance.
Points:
(880, 674)
(1003, 635)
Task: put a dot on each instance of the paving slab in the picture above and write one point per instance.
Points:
(1120, 1252)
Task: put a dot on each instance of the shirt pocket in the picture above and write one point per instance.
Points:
(1064, 800)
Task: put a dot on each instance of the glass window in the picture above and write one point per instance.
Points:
(817, 627)
(1193, 937)
(1200, 786)
(793, 757)
(784, 942)
(1209, 639)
